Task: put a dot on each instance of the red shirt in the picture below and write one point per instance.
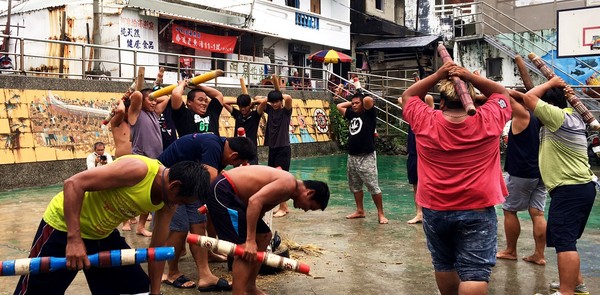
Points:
(459, 163)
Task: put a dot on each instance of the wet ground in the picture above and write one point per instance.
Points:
(357, 256)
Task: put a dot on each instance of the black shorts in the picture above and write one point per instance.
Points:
(570, 207)
(228, 213)
(280, 157)
(129, 279)
(411, 169)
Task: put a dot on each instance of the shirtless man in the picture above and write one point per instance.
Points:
(121, 131)
(247, 192)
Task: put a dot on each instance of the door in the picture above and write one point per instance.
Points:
(315, 6)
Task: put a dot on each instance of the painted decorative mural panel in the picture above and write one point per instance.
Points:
(48, 125)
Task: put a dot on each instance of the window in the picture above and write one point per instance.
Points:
(293, 3)
(379, 4)
(494, 69)
(315, 6)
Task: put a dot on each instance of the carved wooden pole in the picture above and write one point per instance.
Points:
(572, 99)
(459, 85)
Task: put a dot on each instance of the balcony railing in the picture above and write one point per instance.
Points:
(118, 64)
(307, 21)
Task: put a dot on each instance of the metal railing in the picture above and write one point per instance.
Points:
(39, 57)
(115, 62)
(389, 112)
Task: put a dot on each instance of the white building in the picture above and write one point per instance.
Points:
(279, 32)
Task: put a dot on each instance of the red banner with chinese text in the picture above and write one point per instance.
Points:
(203, 41)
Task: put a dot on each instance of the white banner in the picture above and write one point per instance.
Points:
(252, 73)
(138, 32)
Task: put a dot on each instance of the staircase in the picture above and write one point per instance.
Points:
(492, 40)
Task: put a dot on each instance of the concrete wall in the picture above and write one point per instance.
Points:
(40, 174)
(29, 156)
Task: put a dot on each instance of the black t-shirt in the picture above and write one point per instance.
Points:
(188, 122)
(167, 126)
(278, 127)
(250, 123)
(362, 130)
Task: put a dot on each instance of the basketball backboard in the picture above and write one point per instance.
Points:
(578, 31)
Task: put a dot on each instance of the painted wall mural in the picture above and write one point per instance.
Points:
(48, 125)
(576, 71)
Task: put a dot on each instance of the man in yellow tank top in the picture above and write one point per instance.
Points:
(82, 220)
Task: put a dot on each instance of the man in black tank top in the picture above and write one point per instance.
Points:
(526, 190)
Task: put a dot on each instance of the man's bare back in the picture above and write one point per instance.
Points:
(270, 184)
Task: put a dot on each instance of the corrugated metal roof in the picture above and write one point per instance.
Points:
(172, 10)
(400, 43)
(178, 11)
(33, 5)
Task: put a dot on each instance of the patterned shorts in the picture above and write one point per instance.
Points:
(363, 170)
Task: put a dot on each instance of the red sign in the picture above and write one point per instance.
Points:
(203, 41)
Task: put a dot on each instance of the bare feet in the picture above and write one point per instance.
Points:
(535, 259)
(133, 220)
(214, 257)
(178, 281)
(255, 291)
(126, 226)
(416, 219)
(212, 283)
(143, 232)
(383, 220)
(506, 255)
(355, 215)
(280, 213)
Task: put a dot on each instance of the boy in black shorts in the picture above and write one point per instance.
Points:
(238, 199)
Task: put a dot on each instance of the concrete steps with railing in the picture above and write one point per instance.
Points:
(496, 43)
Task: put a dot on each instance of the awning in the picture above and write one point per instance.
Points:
(33, 5)
(400, 43)
(195, 13)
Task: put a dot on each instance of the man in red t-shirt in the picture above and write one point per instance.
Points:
(460, 178)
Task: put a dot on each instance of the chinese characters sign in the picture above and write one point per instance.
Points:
(138, 33)
(202, 41)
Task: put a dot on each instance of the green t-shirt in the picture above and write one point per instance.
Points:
(563, 147)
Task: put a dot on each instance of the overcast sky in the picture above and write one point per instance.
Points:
(4, 4)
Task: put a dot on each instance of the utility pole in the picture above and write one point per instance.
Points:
(7, 28)
(249, 17)
(96, 36)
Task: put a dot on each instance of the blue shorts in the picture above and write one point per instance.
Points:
(411, 169)
(570, 207)
(462, 241)
(228, 213)
(186, 215)
(524, 193)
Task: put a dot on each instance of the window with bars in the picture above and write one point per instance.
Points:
(293, 3)
(494, 68)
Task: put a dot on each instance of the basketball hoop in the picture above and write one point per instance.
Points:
(595, 43)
